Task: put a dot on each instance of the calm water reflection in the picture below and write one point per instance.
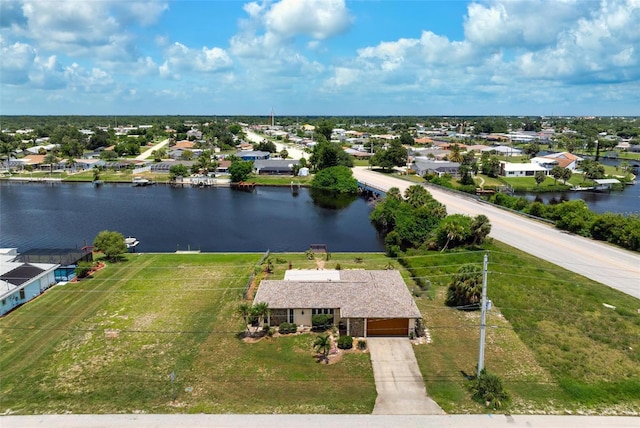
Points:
(165, 219)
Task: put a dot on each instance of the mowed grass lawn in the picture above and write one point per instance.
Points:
(552, 341)
(108, 344)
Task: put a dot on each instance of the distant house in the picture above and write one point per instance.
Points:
(252, 155)
(364, 303)
(424, 166)
(503, 150)
(563, 160)
(508, 169)
(274, 166)
(21, 282)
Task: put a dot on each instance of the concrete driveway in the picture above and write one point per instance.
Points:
(399, 383)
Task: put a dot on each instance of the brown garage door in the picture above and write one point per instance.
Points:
(387, 327)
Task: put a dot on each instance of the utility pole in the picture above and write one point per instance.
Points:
(483, 314)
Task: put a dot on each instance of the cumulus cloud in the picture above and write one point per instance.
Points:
(180, 58)
(508, 44)
(17, 59)
(273, 26)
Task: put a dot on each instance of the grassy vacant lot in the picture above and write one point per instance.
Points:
(551, 340)
(109, 344)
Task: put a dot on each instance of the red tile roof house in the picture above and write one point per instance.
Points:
(365, 302)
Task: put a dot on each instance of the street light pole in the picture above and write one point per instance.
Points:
(483, 314)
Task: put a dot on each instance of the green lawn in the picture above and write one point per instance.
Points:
(551, 339)
(109, 343)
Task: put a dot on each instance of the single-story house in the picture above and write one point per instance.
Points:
(21, 282)
(508, 169)
(364, 302)
(563, 160)
(424, 166)
(252, 155)
(274, 166)
(504, 150)
(67, 259)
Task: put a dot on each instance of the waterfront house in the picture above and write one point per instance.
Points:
(252, 155)
(274, 166)
(21, 282)
(508, 169)
(363, 302)
(563, 160)
(503, 150)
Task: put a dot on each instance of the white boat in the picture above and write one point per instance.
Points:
(131, 242)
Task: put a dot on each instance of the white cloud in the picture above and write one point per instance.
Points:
(180, 58)
(319, 19)
(17, 59)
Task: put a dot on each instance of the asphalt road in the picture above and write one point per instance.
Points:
(606, 264)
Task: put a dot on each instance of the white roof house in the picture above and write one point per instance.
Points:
(508, 169)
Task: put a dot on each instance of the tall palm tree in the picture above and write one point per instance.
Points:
(480, 228)
(417, 195)
(244, 310)
(7, 151)
(323, 344)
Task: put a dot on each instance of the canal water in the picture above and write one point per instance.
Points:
(166, 219)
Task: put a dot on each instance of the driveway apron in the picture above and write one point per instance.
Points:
(399, 383)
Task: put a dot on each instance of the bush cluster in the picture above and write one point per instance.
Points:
(286, 328)
(345, 342)
(321, 322)
(362, 345)
(487, 389)
(575, 217)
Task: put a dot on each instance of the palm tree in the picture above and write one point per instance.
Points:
(262, 311)
(465, 287)
(244, 310)
(417, 195)
(323, 344)
(454, 232)
(480, 228)
(7, 151)
(394, 193)
(454, 154)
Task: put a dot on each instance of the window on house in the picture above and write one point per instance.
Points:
(22, 294)
(290, 316)
(322, 311)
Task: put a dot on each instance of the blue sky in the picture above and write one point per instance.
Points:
(320, 57)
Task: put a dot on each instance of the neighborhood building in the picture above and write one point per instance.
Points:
(21, 282)
(508, 169)
(363, 302)
(252, 155)
(424, 166)
(274, 166)
(563, 160)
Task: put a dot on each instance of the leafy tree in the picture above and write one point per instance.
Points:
(284, 153)
(532, 150)
(325, 129)
(178, 170)
(108, 155)
(111, 244)
(266, 146)
(394, 155)
(406, 139)
(323, 344)
(337, 178)
(556, 172)
(592, 170)
(240, 170)
(540, 176)
(465, 175)
(7, 151)
(327, 154)
(566, 174)
(465, 288)
(82, 269)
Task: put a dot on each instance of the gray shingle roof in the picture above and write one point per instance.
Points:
(358, 294)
